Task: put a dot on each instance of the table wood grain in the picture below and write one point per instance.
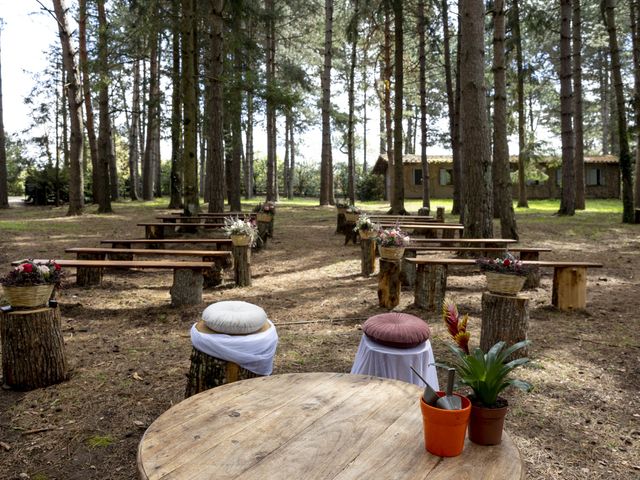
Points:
(309, 426)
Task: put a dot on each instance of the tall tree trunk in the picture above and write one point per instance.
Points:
(155, 139)
(248, 157)
(474, 131)
(292, 160)
(522, 139)
(605, 114)
(74, 96)
(215, 160)
(189, 81)
(96, 180)
(502, 202)
(426, 201)
(351, 147)
(635, 36)
(458, 176)
(388, 118)
(397, 199)
(287, 126)
(148, 164)
(326, 165)
(382, 137)
(177, 167)
(625, 154)
(365, 119)
(4, 185)
(577, 112)
(272, 172)
(568, 195)
(236, 122)
(134, 152)
(104, 132)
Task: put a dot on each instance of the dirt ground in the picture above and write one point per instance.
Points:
(129, 350)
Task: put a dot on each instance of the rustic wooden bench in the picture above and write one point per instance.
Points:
(155, 230)
(224, 243)
(569, 281)
(196, 219)
(187, 276)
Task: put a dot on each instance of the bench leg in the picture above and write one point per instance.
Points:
(408, 273)
(533, 278)
(350, 233)
(389, 283)
(154, 232)
(88, 277)
(263, 233)
(569, 288)
(367, 256)
(431, 286)
(449, 233)
(242, 265)
(340, 220)
(187, 287)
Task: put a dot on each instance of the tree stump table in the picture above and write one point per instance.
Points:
(367, 256)
(389, 283)
(408, 269)
(430, 286)
(504, 318)
(187, 287)
(87, 277)
(242, 265)
(33, 353)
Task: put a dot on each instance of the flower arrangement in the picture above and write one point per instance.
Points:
(340, 204)
(392, 237)
(364, 223)
(507, 264)
(266, 207)
(237, 226)
(485, 373)
(353, 209)
(29, 273)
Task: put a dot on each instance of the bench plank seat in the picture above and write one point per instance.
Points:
(165, 241)
(477, 249)
(158, 264)
(469, 241)
(147, 252)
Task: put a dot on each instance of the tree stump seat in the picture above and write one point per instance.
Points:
(389, 283)
(504, 318)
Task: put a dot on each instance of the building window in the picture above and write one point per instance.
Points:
(446, 177)
(594, 177)
(417, 176)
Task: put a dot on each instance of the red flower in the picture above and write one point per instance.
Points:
(56, 266)
(506, 262)
(27, 267)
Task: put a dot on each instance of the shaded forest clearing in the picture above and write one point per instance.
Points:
(129, 350)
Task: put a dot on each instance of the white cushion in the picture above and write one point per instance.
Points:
(233, 317)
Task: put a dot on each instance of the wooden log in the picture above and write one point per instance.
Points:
(187, 287)
(340, 220)
(440, 214)
(242, 265)
(533, 277)
(208, 372)
(389, 283)
(408, 269)
(33, 353)
(350, 233)
(430, 286)
(367, 256)
(87, 277)
(263, 233)
(504, 318)
(569, 288)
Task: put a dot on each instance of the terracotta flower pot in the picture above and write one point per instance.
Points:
(445, 430)
(486, 425)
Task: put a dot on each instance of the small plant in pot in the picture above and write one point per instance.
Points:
(505, 275)
(487, 374)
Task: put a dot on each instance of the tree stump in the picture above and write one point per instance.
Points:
(350, 233)
(569, 288)
(440, 214)
(340, 220)
(408, 269)
(263, 233)
(120, 256)
(242, 265)
(424, 211)
(430, 286)
(208, 372)
(187, 287)
(271, 223)
(504, 318)
(86, 277)
(367, 256)
(389, 283)
(533, 277)
(154, 232)
(33, 353)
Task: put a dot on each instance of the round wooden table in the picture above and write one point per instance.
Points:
(309, 426)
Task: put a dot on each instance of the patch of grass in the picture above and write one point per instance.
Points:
(39, 476)
(100, 441)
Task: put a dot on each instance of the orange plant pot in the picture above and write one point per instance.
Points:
(445, 430)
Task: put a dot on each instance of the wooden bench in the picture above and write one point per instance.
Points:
(156, 230)
(485, 242)
(447, 229)
(569, 281)
(224, 243)
(212, 277)
(187, 276)
(197, 219)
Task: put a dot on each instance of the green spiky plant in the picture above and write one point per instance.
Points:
(487, 374)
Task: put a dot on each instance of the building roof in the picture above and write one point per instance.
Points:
(380, 166)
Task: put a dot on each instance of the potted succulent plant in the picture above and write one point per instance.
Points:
(391, 242)
(487, 374)
(242, 232)
(31, 284)
(364, 226)
(505, 275)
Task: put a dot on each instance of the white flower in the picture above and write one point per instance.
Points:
(44, 270)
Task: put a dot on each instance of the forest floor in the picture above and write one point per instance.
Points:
(129, 350)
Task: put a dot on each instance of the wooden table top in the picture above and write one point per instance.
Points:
(309, 426)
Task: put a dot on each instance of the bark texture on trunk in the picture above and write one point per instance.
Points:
(397, 200)
(351, 148)
(326, 163)
(522, 140)
(458, 177)
(189, 83)
(388, 116)
(134, 132)
(426, 201)
(4, 186)
(177, 167)
(248, 157)
(576, 21)
(504, 318)
(635, 35)
(105, 150)
(272, 172)
(568, 195)
(148, 161)
(389, 283)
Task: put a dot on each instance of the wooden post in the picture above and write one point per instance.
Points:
(340, 220)
(569, 288)
(367, 256)
(431, 286)
(33, 353)
(533, 277)
(440, 214)
(389, 283)
(154, 232)
(208, 372)
(263, 232)
(187, 287)
(92, 276)
(350, 233)
(504, 318)
(408, 269)
(242, 265)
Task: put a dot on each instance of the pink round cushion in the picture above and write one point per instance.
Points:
(399, 330)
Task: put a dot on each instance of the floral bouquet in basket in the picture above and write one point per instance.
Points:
(241, 228)
(508, 264)
(266, 207)
(28, 273)
(392, 237)
(364, 223)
